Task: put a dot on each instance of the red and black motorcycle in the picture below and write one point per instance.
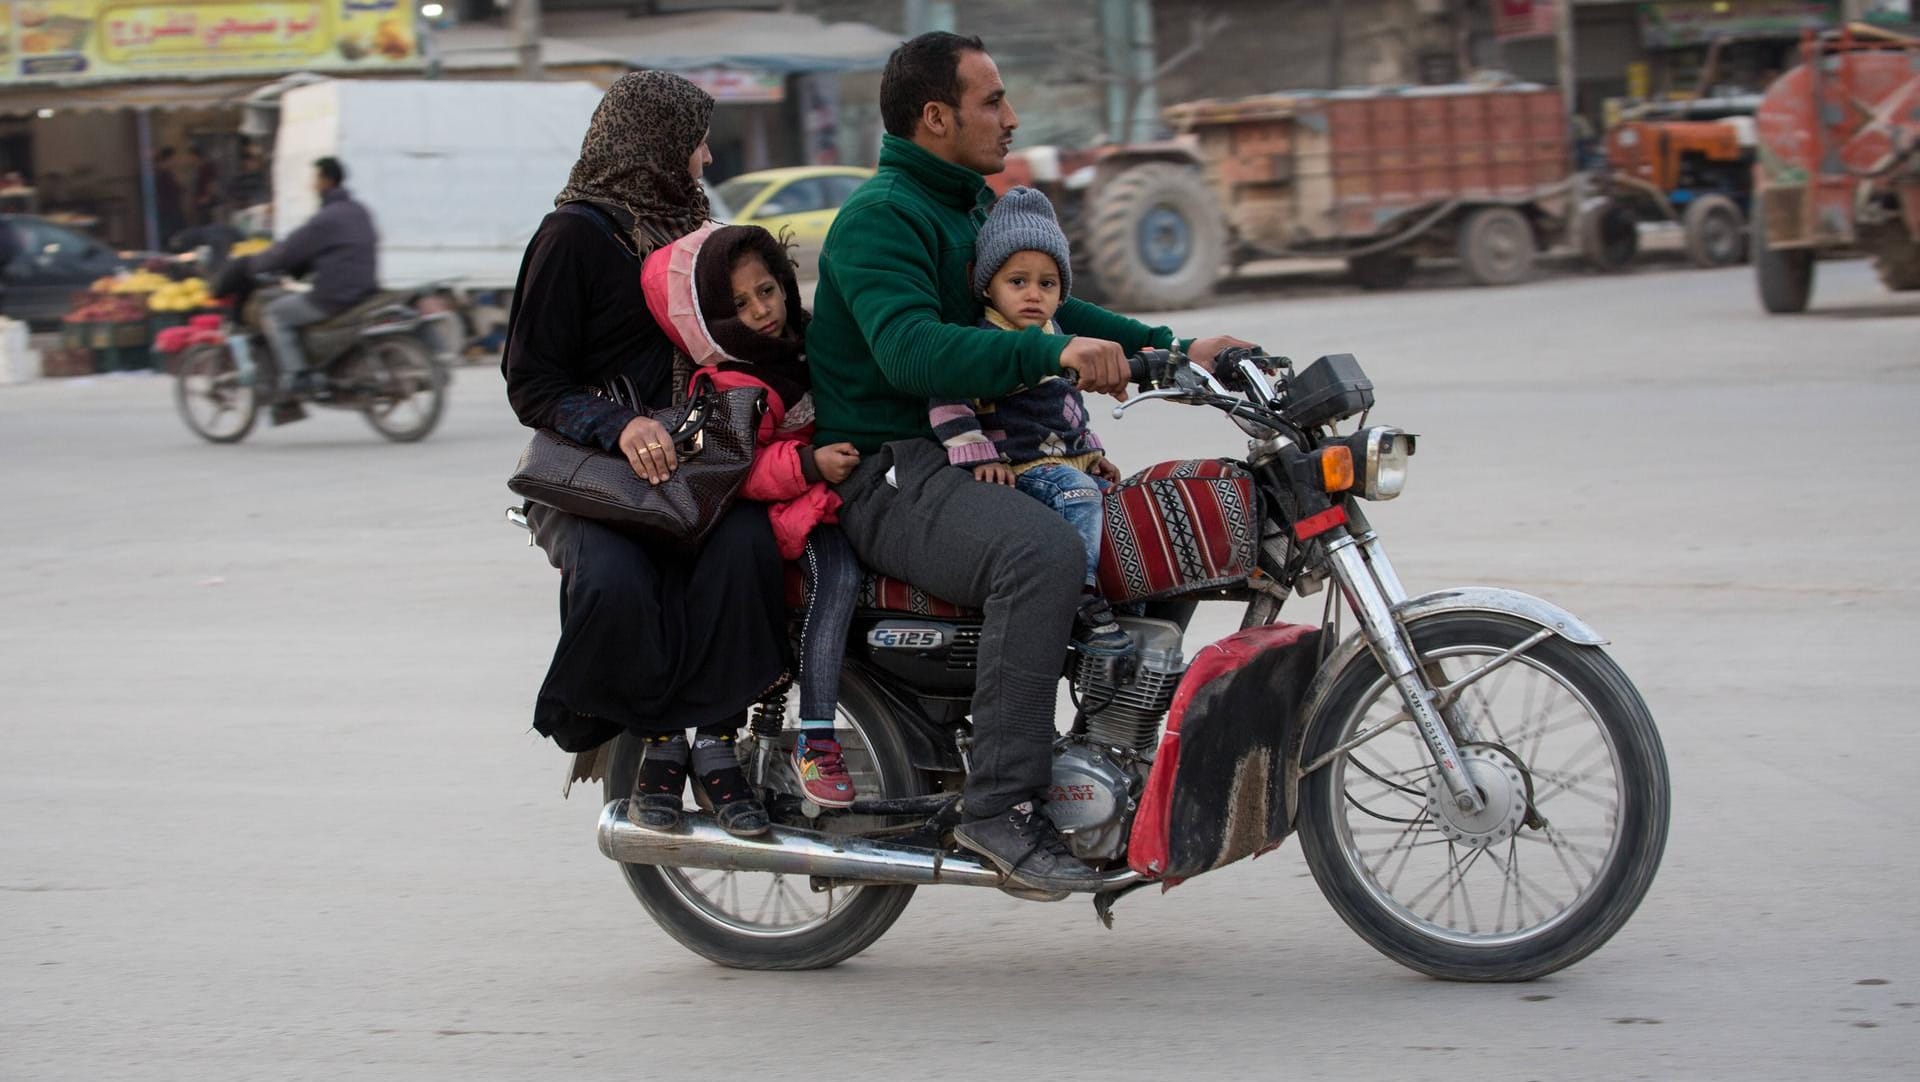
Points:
(1478, 789)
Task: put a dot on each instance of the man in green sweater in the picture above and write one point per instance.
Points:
(893, 327)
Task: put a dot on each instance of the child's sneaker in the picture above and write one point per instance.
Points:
(822, 772)
(1097, 632)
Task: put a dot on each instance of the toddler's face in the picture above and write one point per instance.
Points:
(1027, 289)
(758, 297)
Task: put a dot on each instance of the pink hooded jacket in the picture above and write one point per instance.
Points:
(780, 476)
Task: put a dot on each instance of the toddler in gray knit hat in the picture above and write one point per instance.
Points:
(1036, 438)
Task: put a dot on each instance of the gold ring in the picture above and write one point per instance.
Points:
(652, 447)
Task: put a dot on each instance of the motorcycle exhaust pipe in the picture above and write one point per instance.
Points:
(700, 843)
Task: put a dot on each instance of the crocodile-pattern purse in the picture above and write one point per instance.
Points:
(713, 433)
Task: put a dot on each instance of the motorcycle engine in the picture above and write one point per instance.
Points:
(1098, 775)
(1128, 716)
(1092, 798)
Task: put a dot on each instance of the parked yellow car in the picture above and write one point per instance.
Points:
(802, 199)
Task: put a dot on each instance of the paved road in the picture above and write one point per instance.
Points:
(269, 806)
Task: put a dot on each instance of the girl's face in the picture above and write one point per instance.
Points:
(1027, 289)
(758, 297)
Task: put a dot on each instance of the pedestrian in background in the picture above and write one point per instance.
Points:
(203, 192)
(168, 211)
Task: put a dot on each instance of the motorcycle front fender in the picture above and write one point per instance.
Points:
(1513, 603)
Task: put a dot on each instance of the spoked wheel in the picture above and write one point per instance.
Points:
(762, 920)
(214, 397)
(408, 388)
(1565, 755)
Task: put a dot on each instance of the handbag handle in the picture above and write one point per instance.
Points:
(688, 438)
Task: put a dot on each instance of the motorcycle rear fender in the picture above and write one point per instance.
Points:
(1513, 603)
(394, 319)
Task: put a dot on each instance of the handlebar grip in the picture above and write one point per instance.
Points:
(1139, 369)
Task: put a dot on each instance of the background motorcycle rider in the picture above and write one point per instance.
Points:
(894, 326)
(339, 248)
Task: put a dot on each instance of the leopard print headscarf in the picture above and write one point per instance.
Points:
(635, 156)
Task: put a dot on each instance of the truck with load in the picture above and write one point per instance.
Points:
(1378, 177)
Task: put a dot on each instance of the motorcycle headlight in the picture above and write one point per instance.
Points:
(1380, 458)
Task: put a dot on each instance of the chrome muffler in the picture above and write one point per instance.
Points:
(700, 843)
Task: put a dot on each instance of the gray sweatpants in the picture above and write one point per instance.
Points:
(284, 318)
(996, 549)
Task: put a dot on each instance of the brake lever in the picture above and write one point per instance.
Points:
(1169, 393)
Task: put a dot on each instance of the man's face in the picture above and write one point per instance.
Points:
(321, 185)
(982, 127)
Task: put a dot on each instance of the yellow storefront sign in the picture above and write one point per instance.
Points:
(77, 40)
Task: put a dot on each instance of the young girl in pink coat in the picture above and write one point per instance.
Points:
(728, 298)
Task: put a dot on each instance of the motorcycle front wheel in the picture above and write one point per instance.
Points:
(1565, 755)
(407, 385)
(216, 400)
(762, 920)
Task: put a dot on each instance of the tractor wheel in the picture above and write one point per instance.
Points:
(1382, 270)
(1608, 233)
(1716, 232)
(1158, 238)
(1785, 274)
(1898, 266)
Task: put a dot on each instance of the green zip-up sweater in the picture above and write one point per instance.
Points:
(894, 314)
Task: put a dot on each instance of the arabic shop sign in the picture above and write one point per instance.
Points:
(1697, 22)
(117, 39)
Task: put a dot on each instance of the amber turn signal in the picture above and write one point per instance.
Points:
(1336, 468)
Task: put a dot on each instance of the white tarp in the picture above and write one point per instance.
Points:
(456, 174)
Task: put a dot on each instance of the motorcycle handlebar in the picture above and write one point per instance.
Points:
(1149, 369)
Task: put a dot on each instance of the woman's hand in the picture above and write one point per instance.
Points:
(1104, 470)
(836, 461)
(649, 449)
(994, 473)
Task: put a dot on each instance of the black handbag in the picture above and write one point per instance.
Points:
(713, 433)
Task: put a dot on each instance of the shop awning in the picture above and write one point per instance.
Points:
(28, 99)
(761, 41)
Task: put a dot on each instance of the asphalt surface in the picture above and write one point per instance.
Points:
(270, 806)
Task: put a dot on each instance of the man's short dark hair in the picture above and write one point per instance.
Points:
(924, 69)
(331, 168)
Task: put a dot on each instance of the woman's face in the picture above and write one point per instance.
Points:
(758, 298)
(702, 157)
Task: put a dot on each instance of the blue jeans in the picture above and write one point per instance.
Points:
(285, 316)
(1075, 497)
(833, 585)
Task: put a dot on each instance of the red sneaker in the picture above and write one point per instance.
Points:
(822, 772)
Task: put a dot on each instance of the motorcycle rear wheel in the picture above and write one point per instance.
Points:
(752, 920)
(411, 388)
(1568, 727)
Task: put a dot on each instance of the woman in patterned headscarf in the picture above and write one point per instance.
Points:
(638, 653)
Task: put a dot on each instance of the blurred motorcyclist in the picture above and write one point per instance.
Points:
(338, 248)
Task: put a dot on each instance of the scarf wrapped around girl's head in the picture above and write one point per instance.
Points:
(689, 289)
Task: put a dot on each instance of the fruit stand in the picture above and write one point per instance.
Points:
(111, 327)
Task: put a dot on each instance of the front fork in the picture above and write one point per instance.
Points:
(1372, 590)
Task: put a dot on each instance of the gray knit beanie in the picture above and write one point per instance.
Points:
(1022, 221)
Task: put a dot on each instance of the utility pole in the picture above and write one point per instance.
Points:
(1563, 53)
(524, 17)
(1336, 45)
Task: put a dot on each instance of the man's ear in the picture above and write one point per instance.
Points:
(935, 118)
